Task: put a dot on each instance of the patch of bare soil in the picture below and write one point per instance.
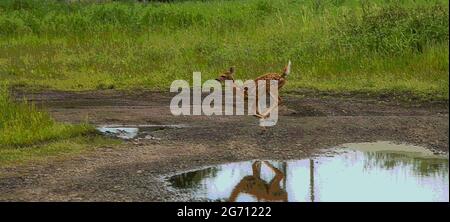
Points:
(135, 171)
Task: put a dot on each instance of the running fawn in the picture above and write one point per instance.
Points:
(280, 78)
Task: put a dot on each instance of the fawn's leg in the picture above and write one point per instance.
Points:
(279, 100)
(274, 184)
(267, 112)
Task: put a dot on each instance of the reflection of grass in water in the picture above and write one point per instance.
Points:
(421, 166)
(192, 179)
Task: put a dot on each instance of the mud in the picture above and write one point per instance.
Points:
(136, 170)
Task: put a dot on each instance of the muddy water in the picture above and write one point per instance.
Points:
(133, 131)
(358, 172)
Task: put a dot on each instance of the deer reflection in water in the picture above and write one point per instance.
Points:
(346, 176)
(259, 188)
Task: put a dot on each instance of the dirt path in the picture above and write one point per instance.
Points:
(134, 172)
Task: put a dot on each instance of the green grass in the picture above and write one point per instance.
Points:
(379, 46)
(22, 124)
(52, 150)
(30, 134)
(335, 45)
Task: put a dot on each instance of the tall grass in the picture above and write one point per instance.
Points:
(22, 124)
(338, 45)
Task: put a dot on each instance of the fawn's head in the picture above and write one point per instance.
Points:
(228, 75)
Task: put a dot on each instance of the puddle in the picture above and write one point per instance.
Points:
(361, 173)
(385, 146)
(133, 131)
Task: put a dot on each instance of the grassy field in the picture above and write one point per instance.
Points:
(56, 149)
(379, 46)
(30, 134)
(22, 124)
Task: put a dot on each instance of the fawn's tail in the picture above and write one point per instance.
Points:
(287, 70)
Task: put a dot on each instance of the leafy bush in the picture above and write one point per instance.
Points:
(12, 25)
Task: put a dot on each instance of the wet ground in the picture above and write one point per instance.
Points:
(138, 170)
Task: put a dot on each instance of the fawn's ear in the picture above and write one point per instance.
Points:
(231, 71)
(287, 69)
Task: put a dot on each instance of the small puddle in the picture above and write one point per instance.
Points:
(133, 131)
(379, 171)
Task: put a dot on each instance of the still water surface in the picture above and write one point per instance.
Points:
(376, 172)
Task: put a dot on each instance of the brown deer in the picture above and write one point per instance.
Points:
(280, 78)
